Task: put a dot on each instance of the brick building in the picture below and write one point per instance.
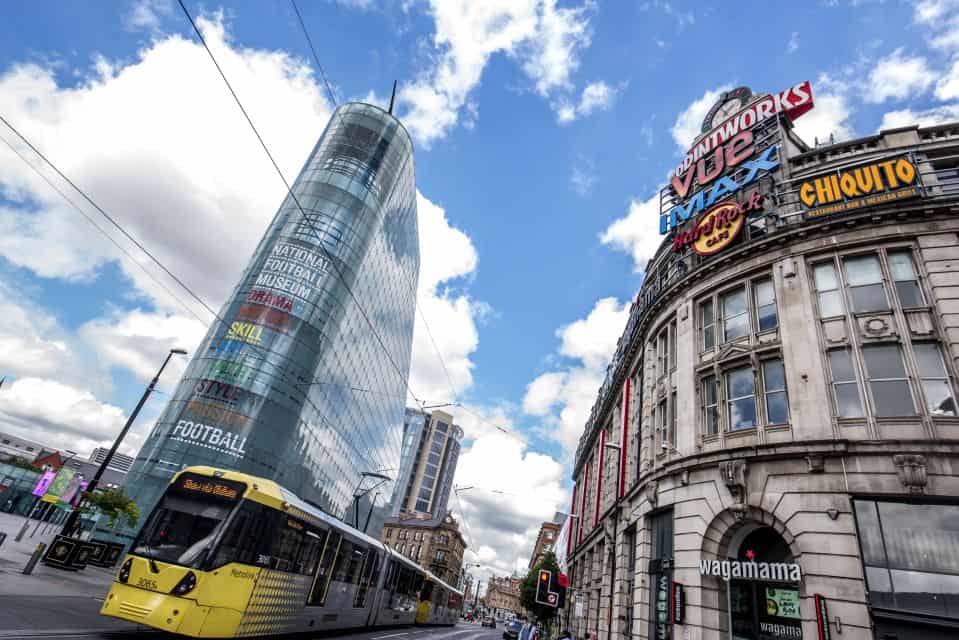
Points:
(436, 544)
(545, 540)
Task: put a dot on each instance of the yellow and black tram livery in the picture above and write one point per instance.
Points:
(225, 554)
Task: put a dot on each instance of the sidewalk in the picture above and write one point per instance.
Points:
(48, 600)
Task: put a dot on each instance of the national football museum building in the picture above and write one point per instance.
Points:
(304, 379)
(774, 453)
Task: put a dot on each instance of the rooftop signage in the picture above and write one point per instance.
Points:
(705, 176)
(718, 227)
(865, 185)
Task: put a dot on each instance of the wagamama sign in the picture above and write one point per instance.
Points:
(751, 570)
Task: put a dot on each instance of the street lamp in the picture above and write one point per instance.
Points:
(357, 494)
(71, 521)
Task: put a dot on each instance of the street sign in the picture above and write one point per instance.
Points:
(551, 599)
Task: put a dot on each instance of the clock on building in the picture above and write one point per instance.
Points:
(729, 103)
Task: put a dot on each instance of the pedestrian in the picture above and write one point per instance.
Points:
(524, 632)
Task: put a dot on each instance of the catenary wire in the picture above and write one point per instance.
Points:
(306, 218)
(316, 58)
(102, 230)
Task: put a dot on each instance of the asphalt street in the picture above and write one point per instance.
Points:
(76, 617)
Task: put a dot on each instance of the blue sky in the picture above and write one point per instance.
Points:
(542, 131)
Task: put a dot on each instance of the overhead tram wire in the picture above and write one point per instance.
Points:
(403, 377)
(103, 232)
(108, 217)
(316, 58)
(254, 349)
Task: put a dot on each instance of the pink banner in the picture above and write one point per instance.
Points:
(43, 483)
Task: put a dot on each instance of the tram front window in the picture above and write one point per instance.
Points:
(181, 530)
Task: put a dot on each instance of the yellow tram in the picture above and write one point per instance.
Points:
(226, 554)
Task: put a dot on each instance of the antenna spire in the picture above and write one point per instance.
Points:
(393, 97)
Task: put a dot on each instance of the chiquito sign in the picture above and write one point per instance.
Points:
(705, 176)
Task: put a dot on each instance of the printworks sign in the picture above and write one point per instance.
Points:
(866, 185)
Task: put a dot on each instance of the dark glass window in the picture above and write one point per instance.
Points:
(709, 324)
(181, 530)
(845, 384)
(735, 316)
(741, 398)
(765, 304)
(904, 276)
(711, 405)
(866, 290)
(911, 556)
(887, 379)
(774, 387)
(827, 288)
(324, 574)
(935, 380)
(661, 572)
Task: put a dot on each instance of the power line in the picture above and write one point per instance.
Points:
(306, 218)
(316, 58)
(107, 216)
(101, 230)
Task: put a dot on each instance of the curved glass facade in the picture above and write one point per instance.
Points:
(294, 385)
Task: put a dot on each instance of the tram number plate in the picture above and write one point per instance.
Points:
(146, 583)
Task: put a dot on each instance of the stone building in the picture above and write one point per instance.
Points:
(545, 540)
(436, 544)
(502, 596)
(775, 444)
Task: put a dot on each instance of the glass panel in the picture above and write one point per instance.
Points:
(774, 375)
(736, 326)
(900, 266)
(869, 298)
(181, 530)
(848, 402)
(765, 293)
(909, 293)
(767, 317)
(892, 398)
(742, 413)
(777, 410)
(863, 270)
(825, 276)
(883, 361)
(930, 360)
(841, 361)
(712, 420)
(870, 540)
(830, 304)
(921, 537)
(709, 386)
(734, 303)
(939, 397)
(740, 382)
(933, 593)
(880, 587)
(707, 309)
(709, 337)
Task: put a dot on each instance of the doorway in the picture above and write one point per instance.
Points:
(764, 609)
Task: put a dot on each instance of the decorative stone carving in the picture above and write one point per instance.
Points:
(788, 267)
(877, 326)
(733, 473)
(652, 492)
(816, 462)
(912, 471)
(835, 330)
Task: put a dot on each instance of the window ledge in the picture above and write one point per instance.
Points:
(781, 426)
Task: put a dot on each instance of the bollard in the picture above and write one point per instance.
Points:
(3, 537)
(32, 562)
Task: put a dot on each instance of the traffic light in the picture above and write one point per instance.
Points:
(542, 588)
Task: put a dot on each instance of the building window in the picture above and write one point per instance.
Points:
(389, 533)
(845, 384)
(735, 316)
(708, 324)
(904, 277)
(887, 380)
(827, 288)
(741, 400)
(765, 301)
(710, 405)
(910, 553)
(774, 388)
(661, 416)
(934, 380)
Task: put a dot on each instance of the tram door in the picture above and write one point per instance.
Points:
(759, 609)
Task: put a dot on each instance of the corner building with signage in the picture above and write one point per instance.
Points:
(295, 385)
(773, 452)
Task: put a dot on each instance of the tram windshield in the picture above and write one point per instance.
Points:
(184, 525)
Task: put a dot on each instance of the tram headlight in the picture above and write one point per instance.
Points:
(185, 585)
(124, 574)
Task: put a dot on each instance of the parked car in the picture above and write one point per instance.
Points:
(512, 629)
(489, 622)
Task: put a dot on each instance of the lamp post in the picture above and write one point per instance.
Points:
(357, 494)
(70, 524)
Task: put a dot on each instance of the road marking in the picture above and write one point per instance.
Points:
(392, 635)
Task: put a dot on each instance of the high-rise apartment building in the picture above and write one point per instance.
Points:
(303, 381)
(120, 462)
(431, 449)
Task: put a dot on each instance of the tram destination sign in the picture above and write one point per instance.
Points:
(751, 570)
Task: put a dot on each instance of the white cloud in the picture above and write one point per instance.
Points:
(504, 511)
(146, 14)
(947, 87)
(926, 118)
(637, 233)
(689, 123)
(597, 96)
(942, 17)
(58, 414)
(544, 39)
(793, 45)
(583, 177)
(565, 396)
(898, 76)
(830, 116)
(683, 18)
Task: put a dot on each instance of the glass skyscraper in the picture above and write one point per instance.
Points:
(294, 385)
(431, 449)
